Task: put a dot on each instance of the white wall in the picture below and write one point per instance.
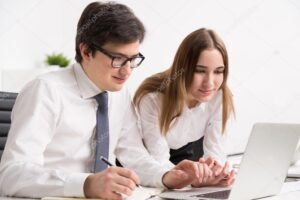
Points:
(262, 37)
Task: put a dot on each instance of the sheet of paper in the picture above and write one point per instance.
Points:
(144, 193)
(187, 193)
(290, 187)
(138, 194)
(294, 170)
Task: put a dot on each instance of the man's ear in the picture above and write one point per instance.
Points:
(85, 54)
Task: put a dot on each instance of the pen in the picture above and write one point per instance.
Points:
(109, 163)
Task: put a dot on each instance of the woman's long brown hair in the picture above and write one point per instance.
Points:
(176, 81)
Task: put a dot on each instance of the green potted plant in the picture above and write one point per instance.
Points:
(57, 59)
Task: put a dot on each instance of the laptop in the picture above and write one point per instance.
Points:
(263, 168)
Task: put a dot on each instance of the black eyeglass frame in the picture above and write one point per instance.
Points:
(112, 57)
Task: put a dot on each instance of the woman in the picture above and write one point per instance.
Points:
(188, 103)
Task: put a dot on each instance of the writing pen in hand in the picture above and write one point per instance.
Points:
(109, 164)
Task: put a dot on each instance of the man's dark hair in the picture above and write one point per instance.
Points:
(107, 22)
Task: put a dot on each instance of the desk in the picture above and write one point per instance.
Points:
(141, 194)
(287, 196)
(138, 194)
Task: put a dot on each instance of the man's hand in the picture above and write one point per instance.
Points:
(221, 175)
(184, 173)
(110, 183)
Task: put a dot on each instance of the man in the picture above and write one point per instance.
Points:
(63, 121)
(56, 123)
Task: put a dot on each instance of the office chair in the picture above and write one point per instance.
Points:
(7, 100)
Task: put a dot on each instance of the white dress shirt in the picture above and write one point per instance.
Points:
(51, 143)
(203, 120)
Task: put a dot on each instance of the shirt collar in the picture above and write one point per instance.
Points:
(200, 106)
(86, 87)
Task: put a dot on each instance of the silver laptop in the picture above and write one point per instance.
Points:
(264, 165)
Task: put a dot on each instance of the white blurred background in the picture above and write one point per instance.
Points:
(262, 37)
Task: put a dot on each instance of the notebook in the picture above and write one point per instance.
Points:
(263, 169)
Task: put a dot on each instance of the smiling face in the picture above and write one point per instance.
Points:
(208, 77)
(98, 67)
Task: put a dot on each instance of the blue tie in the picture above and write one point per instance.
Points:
(102, 132)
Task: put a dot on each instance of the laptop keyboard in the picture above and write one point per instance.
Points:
(224, 194)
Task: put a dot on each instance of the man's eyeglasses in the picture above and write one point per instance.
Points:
(119, 61)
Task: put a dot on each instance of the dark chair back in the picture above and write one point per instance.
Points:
(7, 101)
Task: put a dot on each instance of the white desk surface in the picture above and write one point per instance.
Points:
(287, 196)
(142, 194)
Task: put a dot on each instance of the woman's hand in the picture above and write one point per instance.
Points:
(185, 172)
(221, 176)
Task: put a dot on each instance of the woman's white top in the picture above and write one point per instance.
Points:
(203, 120)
